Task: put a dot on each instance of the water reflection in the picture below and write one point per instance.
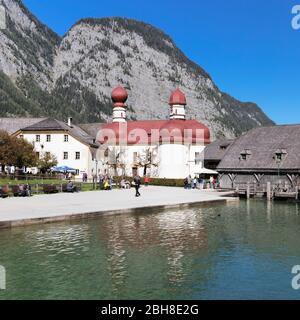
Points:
(58, 239)
(240, 250)
(172, 233)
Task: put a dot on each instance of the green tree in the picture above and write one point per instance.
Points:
(16, 151)
(46, 162)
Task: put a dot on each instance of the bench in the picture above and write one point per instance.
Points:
(76, 188)
(4, 192)
(15, 191)
(49, 188)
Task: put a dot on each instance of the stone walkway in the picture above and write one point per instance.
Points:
(64, 206)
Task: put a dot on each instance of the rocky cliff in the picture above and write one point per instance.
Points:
(43, 74)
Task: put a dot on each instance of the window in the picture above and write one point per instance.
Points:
(243, 156)
(48, 138)
(280, 155)
(77, 172)
(38, 138)
(66, 156)
(197, 158)
(135, 157)
(77, 155)
(37, 155)
(66, 138)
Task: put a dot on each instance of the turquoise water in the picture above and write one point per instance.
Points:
(243, 251)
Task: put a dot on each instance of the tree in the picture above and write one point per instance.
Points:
(115, 159)
(16, 151)
(6, 150)
(46, 162)
(146, 159)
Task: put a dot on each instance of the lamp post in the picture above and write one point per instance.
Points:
(96, 161)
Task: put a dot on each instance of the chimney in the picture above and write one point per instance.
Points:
(70, 120)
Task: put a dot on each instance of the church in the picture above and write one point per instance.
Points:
(170, 148)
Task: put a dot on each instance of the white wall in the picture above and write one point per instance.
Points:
(57, 147)
(195, 167)
(173, 161)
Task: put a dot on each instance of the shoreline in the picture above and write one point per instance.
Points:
(43, 209)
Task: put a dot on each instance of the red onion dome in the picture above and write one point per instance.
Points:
(177, 97)
(119, 96)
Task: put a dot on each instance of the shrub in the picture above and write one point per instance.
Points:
(156, 181)
(166, 182)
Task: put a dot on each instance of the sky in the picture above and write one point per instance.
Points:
(248, 47)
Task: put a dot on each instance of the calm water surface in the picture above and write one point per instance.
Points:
(243, 251)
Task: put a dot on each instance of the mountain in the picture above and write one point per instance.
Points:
(42, 74)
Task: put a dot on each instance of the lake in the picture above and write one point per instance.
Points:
(242, 250)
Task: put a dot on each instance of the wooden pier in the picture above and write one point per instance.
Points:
(252, 190)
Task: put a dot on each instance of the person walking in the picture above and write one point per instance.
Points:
(189, 182)
(137, 184)
(195, 182)
(211, 182)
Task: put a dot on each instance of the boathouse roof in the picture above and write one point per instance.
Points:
(264, 149)
(217, 149)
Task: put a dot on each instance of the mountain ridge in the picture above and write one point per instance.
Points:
(73, 75)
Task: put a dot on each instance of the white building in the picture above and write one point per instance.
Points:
(71, 145)
(158, 148)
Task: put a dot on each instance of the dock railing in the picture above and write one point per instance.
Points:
(277, 190)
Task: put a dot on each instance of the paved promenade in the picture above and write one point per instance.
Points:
(64, 206)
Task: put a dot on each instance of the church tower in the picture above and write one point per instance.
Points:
(119, 96)
(177, 103)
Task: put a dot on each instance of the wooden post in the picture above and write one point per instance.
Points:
(248, 190)
(269, 191)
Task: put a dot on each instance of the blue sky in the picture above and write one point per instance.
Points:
(248, 46)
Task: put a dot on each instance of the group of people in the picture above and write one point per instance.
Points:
(25, 190)
(200, 182)
(71, 187)
(105, 182)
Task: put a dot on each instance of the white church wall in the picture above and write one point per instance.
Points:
(173, 161)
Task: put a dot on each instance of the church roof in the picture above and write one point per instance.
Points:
(260, 145)
(153, 130)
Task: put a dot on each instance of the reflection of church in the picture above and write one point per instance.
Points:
(160, 148)
(178, 235)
